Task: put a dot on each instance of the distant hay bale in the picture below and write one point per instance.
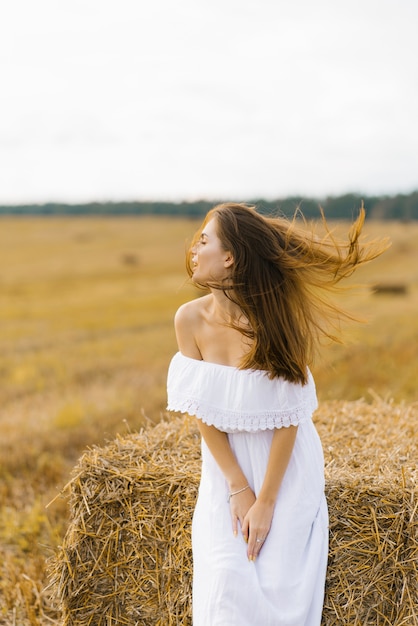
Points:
(126, 557)
(130, 259)
(391, 289)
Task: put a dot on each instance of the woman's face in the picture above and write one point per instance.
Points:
(210, 262)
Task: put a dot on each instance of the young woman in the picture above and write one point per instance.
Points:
(260, 527)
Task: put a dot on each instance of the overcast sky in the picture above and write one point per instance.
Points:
(222, 99)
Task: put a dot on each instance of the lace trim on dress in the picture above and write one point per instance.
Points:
(229, 420)
(237, 400)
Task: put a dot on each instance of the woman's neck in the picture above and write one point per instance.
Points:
(224, 308)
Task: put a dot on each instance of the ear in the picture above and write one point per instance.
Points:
(229, 260)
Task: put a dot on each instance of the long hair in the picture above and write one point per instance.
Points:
(281, 280)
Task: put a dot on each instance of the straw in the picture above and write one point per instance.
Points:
(126, 557)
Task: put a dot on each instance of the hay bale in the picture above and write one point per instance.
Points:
(391, 289)
(126, 555)
(126, 558)
(371, 454)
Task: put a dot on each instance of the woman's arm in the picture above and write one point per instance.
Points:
(219, 446)
(280, 453)
(218, 443)
(186, 322)
(257, 521)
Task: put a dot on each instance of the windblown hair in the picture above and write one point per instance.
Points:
(281, 280)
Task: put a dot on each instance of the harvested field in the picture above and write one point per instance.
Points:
(86, 336)
(126, 557)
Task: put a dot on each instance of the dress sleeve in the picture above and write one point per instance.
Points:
(237, 400)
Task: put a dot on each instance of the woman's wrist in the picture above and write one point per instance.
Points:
(266, 498)
(238, 491)
(237, 482)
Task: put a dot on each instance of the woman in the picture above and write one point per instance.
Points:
(260, 537)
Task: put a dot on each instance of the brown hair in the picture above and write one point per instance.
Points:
(280, 279)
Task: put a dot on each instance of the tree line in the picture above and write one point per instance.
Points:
(398, 207)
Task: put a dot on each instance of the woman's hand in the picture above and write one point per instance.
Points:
(256, 527)
(257, 520)
(240, 504)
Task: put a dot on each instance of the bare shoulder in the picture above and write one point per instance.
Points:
(192, 311)
(187, 322)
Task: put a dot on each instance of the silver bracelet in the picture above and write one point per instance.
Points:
(234, 493)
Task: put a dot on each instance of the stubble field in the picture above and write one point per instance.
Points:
(86, 335)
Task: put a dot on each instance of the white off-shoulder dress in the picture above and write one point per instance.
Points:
(285, 585)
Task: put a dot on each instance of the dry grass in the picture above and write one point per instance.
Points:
(75, 313)
(126, 558)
